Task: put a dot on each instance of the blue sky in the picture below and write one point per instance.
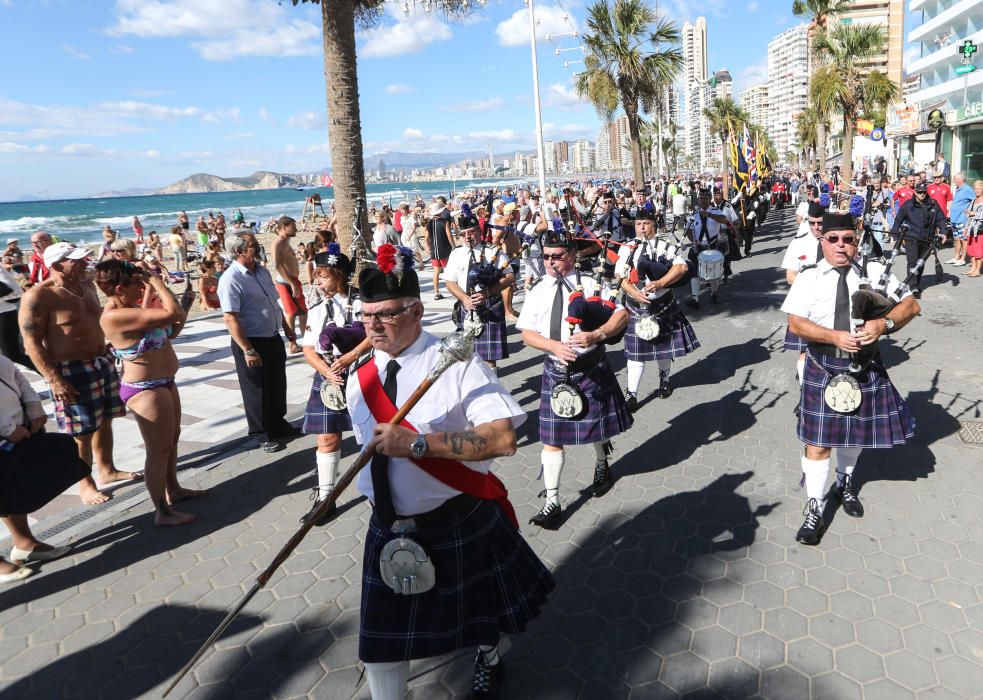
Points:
(102, 95)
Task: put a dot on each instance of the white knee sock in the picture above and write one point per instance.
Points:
(665, 366)
(846, 462)
(635, 371)
(387, 680)
(327, 468)
(817, 472)
(800, 369)
(694, 286)
(552, 466)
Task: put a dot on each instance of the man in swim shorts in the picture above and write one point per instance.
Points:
(288, 284)
(59, 320)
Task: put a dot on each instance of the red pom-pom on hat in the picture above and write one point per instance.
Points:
(386, 258)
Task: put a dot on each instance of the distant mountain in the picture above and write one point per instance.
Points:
(203, 182)
(132, 192)
(395, 160)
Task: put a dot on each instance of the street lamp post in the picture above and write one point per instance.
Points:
(540, 148)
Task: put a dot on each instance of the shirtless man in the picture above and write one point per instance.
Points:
(288, 277)
(59, 320)
(505, 239)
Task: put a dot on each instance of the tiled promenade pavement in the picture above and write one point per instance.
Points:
(684, 580)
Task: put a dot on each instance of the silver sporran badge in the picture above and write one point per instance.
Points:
(567, 401)
(406, 568)
(647, 327)
(843, 393)
(473, 325)
(333, 397)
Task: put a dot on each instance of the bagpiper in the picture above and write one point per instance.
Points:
(649, 267)
(567, 318)
(848, 401)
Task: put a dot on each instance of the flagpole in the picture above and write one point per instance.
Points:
(540, 148)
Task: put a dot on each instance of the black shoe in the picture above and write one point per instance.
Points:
(693, 304)
(797, 409)
(812, 529)
(487, 681)
(631, 400)
(714, 299)
(665, 390)
(328, 514)
(848, 498)
(603, 481)
(549, 517)
(271, 446)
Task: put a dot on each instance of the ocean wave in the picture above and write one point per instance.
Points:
(24, 223)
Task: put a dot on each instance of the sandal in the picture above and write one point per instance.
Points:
(18, 574)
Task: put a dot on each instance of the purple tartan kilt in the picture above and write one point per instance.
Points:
(676, 337)
(883, 419)
(793, 342)
(607, 415)
(493, 343)
(489, 581)
(320, 420)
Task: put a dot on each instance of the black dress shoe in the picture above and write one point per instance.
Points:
(549, 517)
(328, 514)
(271, 446)
(631, 400)
(714, 299)
(665, 390)
(603, 481)
(848, 498)
(693, 304)
(812, 529)
(487, 681)
(797, 410)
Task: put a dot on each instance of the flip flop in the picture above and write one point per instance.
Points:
(19, 574)
(22, 556)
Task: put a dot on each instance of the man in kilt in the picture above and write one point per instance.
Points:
(804, 250)
(431, 487)
(575, 358)
(469, 277)
(819, 311)
(676, 337)
(331, 271)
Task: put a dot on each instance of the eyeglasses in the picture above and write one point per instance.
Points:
(847, 239)
(814, 224)
(387, 317)
(555, 257)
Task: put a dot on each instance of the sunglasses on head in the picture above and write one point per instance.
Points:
(847, 239)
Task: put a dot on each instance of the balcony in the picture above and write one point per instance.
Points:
(946, 54)
(943, 21)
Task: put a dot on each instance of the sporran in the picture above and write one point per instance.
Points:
(406, 568)
(333, 397)
(567, 401)
(842, 393)
(647, 327)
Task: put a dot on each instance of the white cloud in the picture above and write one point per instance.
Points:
(227, 30)
(687, 10)
(500, 135)
(265, 116)
(76, 53)
(912, 53)
(318, 148)
(749, 76)
(566, 131)
(308, 121)
(152, 153)
(549, 20)
(752, 6)
(239, 136)
(11, 147)
(411, 133)
(81, 149)
(561, 96)
(147, 92)
(488, 105)
(123, 48)
(398, 89)
(409, 35)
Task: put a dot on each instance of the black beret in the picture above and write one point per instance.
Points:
(337, 261)
(394, 277)
(557, 239)
(838, 222)
(644, 214)
(816, 209)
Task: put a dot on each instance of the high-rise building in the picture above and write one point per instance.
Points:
(561, 157)
(491, 157)
(719, 86)
(602, 149)
(788, 85)
(754, 101)
(582, 156)
(889, 15)
(619, 144)
(548, 154)
(694, 77)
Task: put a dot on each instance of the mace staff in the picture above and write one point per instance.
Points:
(456, 347)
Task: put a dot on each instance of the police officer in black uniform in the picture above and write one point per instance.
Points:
(921, 219)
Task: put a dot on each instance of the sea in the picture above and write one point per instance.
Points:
(82, 220)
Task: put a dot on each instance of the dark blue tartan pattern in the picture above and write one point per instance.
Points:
(493, 343)
(883, 419)
(318, 418)
(793, 342)
(607, 415)
(489, 582)
(676, 336)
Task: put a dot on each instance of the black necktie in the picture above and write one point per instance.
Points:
(704, 233)
(556, 316)
(384, 509)
(841, 319)
(819, 251)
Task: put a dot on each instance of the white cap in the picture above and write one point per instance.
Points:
(63, 251)
(11, 240)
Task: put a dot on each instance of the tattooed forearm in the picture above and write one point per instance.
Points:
(466, 440)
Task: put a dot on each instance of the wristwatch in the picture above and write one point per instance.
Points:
(418, 448)
(251, 352)
(888, 324)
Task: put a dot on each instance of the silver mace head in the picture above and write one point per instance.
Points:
(455, 347)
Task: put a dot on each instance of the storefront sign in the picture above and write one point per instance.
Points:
(936, 119)
(971, 112)
(903, 120)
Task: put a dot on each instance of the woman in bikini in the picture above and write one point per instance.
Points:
(208, 287)
(139, 316)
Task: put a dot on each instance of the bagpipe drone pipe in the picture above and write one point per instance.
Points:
(590, 313)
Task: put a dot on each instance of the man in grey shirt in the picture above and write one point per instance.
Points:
(253, 316)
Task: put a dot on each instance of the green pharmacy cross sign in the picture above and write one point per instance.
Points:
(967, 50)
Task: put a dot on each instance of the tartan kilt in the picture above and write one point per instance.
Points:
(793, 342)
(607, 415)
(676, 336)
(489, 582)
(318, 418)
(883, 419)
(493, 342)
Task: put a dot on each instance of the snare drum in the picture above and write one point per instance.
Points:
(711, 265)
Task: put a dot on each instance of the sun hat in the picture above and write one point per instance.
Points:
(63, 251)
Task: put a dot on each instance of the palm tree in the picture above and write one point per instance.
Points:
(625, 66)
(805, 129)
(844, 50)
(338, 22)
(823, 101)
(725, 117)
(670, 149)
(819, 12)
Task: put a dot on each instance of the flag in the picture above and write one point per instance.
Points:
(738, 180)
(751, 157)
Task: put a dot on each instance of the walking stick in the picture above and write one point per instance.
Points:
(456, 347)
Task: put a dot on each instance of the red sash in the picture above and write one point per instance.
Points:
(449, 472)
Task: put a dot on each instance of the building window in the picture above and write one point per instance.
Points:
(972, 152)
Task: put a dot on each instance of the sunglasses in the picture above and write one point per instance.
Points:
(847, 239)
(814, 224)
(555, 257)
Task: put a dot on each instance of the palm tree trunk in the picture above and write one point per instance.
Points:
(846, 170)
(723, 167)
(658, 152)
(821, 145)
(637, 166)
(344, 117)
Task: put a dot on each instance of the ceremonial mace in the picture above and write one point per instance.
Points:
(456, 347)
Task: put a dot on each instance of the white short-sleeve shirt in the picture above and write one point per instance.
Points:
(327, 311)
(654, 248)
(801, 251)
(456, 270)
